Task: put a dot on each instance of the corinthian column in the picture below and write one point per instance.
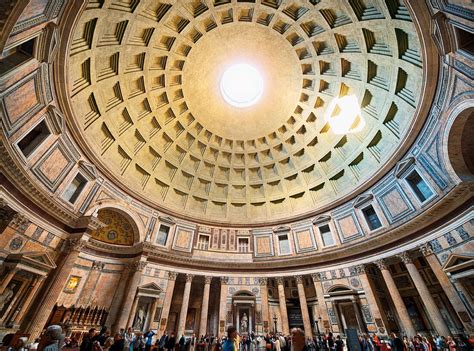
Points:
(323, 311)
(304, 307)
(167, 301)
(369, 294)
(205, 306)
(136, 269)
(184, 306)
(283, 313)
(36, 284)
(223, 306)
(430, 304)
(447, 286)
(72, 249)
(400, 307)
(265, 310)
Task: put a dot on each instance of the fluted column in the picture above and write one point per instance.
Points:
(136, 269)
(304, 307)
(36, 284)
(167, 301)
(370, 296)
(447, 286)
(72, 248)
(185, 304)
(431, 307)
(283, 311)
(322, 309)
(265, 310)
(400, 307)
(205, 306)
(152, 313)
(90, 283)
(9, 276)
(114, 310)
(223, 306)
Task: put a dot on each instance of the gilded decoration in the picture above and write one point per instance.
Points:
(117, 230)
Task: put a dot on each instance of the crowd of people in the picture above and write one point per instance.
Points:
(54, 339)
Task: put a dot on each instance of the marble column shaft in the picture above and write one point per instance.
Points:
(184, 306)
(167, 301)
(304, 307)
(26, 303)
(9, 276)
(152, 313)
(447, 286)
(204, 307)
(431, 307)
(369, 294)
(283, 311)
(128, 300)
(322, 309)
(265, 310)
(112, 317)
(133, 310)
(89, 285)
(400, 307)
(39, 319)
(223, 307)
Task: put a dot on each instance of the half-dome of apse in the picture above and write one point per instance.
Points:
(118, 229)
(144, 86)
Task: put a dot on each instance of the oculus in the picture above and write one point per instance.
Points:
(241, 85)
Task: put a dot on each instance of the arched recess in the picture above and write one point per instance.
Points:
(119, 228)
(244, 311)
(459, 141)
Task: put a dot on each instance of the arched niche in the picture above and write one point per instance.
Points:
(460, 142)
(119, 228)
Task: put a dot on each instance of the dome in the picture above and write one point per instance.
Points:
(342, 81)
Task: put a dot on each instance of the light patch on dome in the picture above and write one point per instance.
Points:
(344, 115)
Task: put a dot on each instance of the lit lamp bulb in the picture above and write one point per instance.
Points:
(343, 115)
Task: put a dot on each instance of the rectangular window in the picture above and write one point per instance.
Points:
(419, 186)
(243, 245)
(284, 244)
(465, 41)
(75, 188)
(371, 217)
(203, 242)
(30, 142)
(16, 56)
(163, 233)
(326, 235)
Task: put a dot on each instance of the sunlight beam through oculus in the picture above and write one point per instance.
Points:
(241, 85)
(344, 115)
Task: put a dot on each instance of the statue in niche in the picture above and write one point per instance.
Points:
(244, 323)
(140, 319)
(6, 296)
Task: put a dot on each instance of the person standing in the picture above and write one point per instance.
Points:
(129, 338)
(298, 340)
(87, 343)
(170, 344)
(149, 339)
(51, 339)
(229, 344)
(339, 343)
(395, 342)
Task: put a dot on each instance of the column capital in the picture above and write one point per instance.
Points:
(360, 269)
(263, 281)
(426, 249)
(317, 277)
(189, 277)
(98, 266)
(19, 222)
(224, 280)
(75, 244)
(207, 279)
(280, 280)
(137, 266)
(405, 257)
(172, 275)
(381, 264)
(299, 279)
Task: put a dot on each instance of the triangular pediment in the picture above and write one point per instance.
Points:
(89, 169)
(363, 199)
(403, 166)
(457, 262)
(150, 289)
(321, 219)
(282, 228)
(167, 219)
(35, 260)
